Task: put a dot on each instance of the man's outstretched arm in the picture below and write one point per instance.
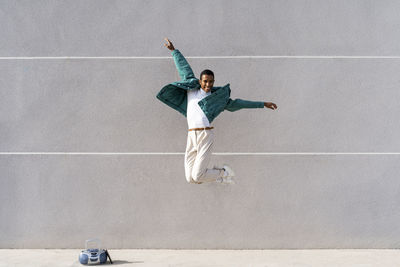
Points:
(237, 104)
(183, 67)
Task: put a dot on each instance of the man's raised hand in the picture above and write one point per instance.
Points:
(169, 45)
(270, 105)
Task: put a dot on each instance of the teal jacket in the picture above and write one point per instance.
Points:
(175, 94)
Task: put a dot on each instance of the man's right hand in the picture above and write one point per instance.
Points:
(169, 45)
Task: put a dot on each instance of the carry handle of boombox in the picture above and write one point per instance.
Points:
(94, 240)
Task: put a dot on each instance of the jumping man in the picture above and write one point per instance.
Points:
(201, 103)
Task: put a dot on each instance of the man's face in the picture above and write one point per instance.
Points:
(206, 82)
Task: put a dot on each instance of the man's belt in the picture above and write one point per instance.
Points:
(200, 129)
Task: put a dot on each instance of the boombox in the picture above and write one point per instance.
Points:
(93, 255)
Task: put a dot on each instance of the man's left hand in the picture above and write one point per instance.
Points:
(270, 105)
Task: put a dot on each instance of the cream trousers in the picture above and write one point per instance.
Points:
(197, 157)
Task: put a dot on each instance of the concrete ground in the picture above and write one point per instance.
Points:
(200, 258)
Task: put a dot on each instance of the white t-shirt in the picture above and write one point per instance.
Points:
(195, 115)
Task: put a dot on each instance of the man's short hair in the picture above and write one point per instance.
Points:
(206, 72)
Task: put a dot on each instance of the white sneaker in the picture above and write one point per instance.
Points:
(227, 177)
(228, 171)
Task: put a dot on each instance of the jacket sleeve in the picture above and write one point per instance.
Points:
(183, 67)
(234, 105)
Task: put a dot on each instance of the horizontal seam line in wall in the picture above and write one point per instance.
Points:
(206, 57)
(216, 153)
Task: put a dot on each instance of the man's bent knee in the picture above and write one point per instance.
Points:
(190, 180)
(197, 176)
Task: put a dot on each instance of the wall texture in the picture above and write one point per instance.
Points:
(346, 101)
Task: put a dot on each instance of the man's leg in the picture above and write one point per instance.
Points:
(200, 173)
(190, 156)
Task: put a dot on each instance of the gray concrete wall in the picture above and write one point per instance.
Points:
(329, 105)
